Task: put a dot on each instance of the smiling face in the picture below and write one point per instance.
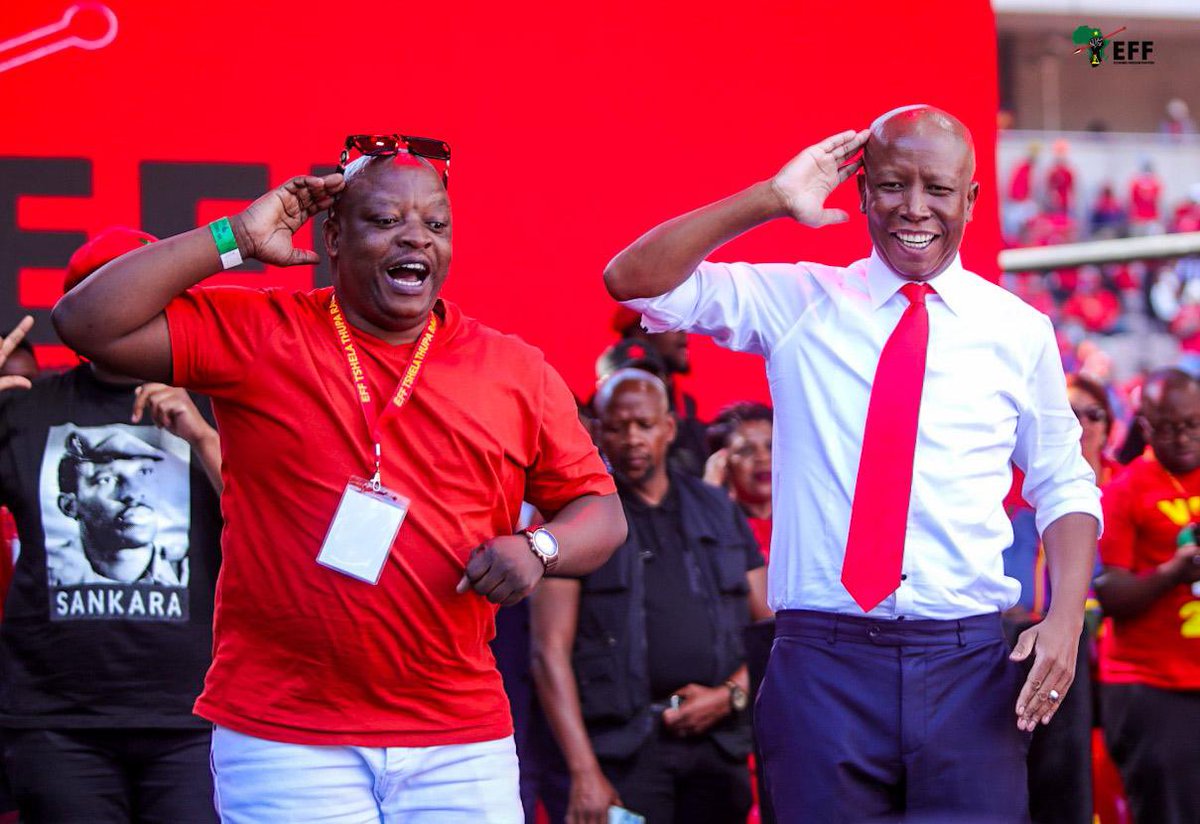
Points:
(916, 190)
(390, 243)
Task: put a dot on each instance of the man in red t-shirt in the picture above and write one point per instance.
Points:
(1144, 191)
(1150, 651)
(351, 676)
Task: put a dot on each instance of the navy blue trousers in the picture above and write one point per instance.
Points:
(863, 720)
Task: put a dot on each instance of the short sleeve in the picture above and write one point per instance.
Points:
(566, 464)
(216, 332)
(1058, 480)
(742, 306)
(1120, 531)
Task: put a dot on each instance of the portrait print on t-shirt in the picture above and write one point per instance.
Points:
(115, 505)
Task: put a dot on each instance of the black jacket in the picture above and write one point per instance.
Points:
(610, 653)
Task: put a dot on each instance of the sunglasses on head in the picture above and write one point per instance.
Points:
(384, 145)
(1095, 414)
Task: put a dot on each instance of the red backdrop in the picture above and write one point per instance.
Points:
(574, 126)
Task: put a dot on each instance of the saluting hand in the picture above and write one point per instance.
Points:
(7, 345)
(264, 229)
(806, 181)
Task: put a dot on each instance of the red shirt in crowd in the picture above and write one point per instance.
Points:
(304, 654)
(1060, 187)
(1144, 509)
(1143, 197)
(761, 527)
(1097, 312)
(1021, 184)
(1187, 217)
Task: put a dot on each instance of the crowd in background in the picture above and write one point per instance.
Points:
(732, 453)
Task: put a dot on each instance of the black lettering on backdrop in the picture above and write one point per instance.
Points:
(171, 190)
(35, 248)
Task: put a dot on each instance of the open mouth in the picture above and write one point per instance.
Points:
(408, 277)
(915, 240)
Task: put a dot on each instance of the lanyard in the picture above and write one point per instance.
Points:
(404, 388)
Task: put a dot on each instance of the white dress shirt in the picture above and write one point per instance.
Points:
(994, 393)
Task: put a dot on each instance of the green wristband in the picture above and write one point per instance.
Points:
(227, 247)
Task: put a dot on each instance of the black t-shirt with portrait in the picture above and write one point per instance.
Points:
(108, 621)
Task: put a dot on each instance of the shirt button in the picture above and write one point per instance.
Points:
(873, 631)
(904, 577)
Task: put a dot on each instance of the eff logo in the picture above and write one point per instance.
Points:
(1092, 42)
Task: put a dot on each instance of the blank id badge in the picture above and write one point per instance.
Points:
(363, 529)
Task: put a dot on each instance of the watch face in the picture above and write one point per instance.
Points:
(740, 699)
(545, 543)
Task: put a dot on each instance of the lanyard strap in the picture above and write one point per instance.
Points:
(404, 389)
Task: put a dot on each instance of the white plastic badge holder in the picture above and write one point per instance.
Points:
(363, 529)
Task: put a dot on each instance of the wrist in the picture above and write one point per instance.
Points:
(772, 200)
(1171, 571)
(206, 437)
(585, 770)
(245, 245)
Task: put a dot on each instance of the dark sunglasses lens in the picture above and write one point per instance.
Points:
(1094, 414)
(428, 147)
(376, 144)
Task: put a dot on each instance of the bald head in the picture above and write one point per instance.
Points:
(897, 124)
(630, 380)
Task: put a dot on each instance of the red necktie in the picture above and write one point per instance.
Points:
(879, 514)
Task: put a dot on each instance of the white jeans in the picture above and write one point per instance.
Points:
(267, 782)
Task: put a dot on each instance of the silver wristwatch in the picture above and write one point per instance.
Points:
(544, 546)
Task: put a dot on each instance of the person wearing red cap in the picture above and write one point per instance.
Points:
(378, 446)
(107, 631)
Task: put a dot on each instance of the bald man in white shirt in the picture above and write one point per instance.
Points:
(891, 691)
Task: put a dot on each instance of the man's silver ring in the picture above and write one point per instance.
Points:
(1054, 696)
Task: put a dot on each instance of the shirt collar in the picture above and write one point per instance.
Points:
(952, 285)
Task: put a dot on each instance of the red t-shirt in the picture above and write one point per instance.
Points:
(1143, 197)
(304, 654)
(1143, 514)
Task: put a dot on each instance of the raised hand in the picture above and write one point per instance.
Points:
(7, 345)
(264, 229)
(170, 408)
(806, 181)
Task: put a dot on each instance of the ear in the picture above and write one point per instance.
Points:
(332, 230)
(861, 179)
(68, 506)
(672, 428)
(972, 194)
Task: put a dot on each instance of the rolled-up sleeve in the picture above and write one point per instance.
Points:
(744, 307)
(1058, 480)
